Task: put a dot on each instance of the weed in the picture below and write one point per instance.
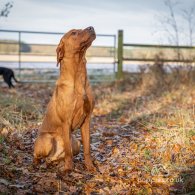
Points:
(147, 154)
(2, 139)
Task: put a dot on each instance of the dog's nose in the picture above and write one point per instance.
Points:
(90, 28)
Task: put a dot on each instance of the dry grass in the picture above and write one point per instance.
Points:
(143, 138)
(166, 116)
(18, 112)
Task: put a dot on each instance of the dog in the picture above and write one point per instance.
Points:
(8, 74)
(72, 102)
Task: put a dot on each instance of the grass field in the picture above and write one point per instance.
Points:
(143, 141)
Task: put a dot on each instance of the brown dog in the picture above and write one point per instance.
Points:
(72, 102)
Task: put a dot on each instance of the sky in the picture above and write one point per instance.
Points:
(138, 19)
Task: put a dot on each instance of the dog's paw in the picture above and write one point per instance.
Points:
(63, 173)
(68, 167)
(90, 167)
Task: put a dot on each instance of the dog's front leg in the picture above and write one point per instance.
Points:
(67, 148)
(85, 131)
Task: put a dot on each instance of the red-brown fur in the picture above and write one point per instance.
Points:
(72, 102)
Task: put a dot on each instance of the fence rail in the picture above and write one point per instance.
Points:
(154, 59)
(33, 58)
(159, 46)
(144, 53)
(24, 55)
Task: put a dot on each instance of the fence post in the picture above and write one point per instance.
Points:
(120, 55)
(19, 54)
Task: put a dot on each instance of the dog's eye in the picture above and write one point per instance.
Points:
(74, 33)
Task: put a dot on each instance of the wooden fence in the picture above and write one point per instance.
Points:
(146, 53)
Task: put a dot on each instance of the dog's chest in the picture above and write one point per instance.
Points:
(81, 111)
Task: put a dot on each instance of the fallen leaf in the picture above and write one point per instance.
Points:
(176, 148)
(4, 181)
(115, 151)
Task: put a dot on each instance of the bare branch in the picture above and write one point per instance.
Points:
(6, 9)
(171, 19)
(189, 17)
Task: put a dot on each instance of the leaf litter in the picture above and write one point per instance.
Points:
(141, 144)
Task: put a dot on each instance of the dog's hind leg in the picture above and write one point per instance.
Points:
(43, 146)
(10, 79)
(58, 150)
(7, 80)
(10, 84)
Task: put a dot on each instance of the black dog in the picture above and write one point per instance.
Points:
(8, 74)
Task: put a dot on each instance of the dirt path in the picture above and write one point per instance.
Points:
(141, 144)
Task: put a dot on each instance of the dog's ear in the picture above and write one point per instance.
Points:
(60, 52)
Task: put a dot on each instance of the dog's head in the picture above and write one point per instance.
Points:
(75, 41)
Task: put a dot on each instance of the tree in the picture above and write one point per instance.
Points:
(178, 27)
(172, 22)
(189, 17)
(4, 12)
(177, 23)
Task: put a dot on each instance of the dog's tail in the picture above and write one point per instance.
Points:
(13, 76)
